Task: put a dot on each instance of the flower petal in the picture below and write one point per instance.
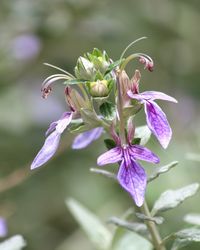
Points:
(47, 151)
(157, 123)
(61, 124)
(138, 97)
(112, 156)
(142, 153)
(3, 227)
(133, 179)
(84, 139)
(152, 95)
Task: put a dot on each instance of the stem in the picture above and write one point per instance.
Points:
(156, 239)
(120, 111)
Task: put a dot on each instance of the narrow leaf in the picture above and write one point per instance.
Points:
(74, 81)
(192, 219)
(131, 226)
(16, 242)
(185, 237)
(125, 240)
(161, 170)
(113, 66)
(91, 225)
(172, 198)
(144, 133)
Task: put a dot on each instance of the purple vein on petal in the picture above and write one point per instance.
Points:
(141, 153)
(153, 95)
(47, 151)
(133, 179)
(114, 155)
(157, 123)
(84, 139)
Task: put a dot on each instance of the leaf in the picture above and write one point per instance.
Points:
(89, 117)
(158, 220)
(185, 237)
(136, 141)
(109, 143)
(192, 219)
(108, 110)
(131, 226)
(91, 225)
(172, 198)
(113, 66)
(161, 170)
(125, 240)
(16, 242)
(131, 110)
(144, 133)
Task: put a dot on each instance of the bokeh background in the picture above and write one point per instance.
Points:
(57, 32)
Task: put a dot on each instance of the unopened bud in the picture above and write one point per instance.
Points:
(135, 82)
(75, 100)
(99, 88)
(84, 69)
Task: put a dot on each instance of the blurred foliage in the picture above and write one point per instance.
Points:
(57, 32)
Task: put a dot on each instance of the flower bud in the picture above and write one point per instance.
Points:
(100, 88)
(84, 69)
(75, 100)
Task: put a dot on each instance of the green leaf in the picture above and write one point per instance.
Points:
(172, 198)
(16, 242)
(91, 225)
(108, 110)
(192, 219)
(89, 117)
(144, 133)
(185, 237)
(125, 240)
(161, 170)
(110, 143)
(140, 228)
(113, 66)
(131, 110)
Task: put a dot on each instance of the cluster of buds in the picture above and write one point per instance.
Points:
(96, 76)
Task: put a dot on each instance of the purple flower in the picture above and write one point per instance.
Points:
(156, 118)
(131, 175)
(3, 227)
(53, 134)
(52, 141)
(84, 139)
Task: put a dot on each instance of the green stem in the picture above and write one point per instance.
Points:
(120, 111)
(156, 239)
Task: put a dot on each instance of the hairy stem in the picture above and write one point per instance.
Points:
(120, 111)
(156, 239)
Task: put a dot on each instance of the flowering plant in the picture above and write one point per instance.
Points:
(102, 99)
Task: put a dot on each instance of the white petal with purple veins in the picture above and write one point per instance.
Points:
(141, 153)
(157, 123)
(152, 95)
(112, 156)
(84, 139)
(133, 179)
(47, 151)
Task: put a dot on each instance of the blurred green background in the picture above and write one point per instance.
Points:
(57, 32)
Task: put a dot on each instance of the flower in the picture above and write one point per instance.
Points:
(131, 175)
(155, 117)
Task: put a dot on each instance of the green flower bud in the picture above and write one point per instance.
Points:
(84, 69)
(100, 88)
